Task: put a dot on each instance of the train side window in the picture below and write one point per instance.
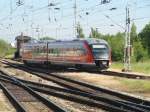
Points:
(61, 52)
(49, 51)
(44, 49)
(84, 52)
(38, 50)
(74, 52)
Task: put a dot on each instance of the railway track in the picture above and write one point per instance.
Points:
(100, 95)
(126, 75)
(117, 74)
(18, 93)
(108, 73)
(78, 99)
(17, 105)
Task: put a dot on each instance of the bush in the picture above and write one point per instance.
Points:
(116, 43)
(139, 52)
(5, 48)
(145, 38)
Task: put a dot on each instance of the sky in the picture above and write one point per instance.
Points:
(36, 19)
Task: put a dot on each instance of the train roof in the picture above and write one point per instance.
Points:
(94, 40)
(88, 40)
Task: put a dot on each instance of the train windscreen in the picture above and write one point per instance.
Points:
(100, 51)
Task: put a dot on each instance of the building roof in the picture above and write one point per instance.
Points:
(20, 37)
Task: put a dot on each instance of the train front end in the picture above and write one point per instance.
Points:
(101, 53)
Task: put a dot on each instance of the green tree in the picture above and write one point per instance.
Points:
(47, 38)
(133, 34)
(139, 51)
(80, 31)
(95, 34)
(145, 38)
(117, 45)
(4, 47)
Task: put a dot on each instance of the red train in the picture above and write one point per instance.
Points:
(80, 53)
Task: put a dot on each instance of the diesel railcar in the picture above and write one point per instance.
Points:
(80, 53)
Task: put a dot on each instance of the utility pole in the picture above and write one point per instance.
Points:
(38, 31)
(127, 49)
(75, 18)
(56, 33)
(11, 7)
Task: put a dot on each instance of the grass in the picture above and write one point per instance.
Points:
(140, 86)
(10, 53)
(5, 49)
(137, 86)
(142, 67)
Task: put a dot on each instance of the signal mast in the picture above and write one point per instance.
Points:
(127, 49)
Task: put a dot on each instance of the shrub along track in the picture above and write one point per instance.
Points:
(106, 99)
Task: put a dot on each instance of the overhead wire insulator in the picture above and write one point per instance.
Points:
(105, 1)
(87, 13)
(19, 3)
(57, 8)
(51, 4)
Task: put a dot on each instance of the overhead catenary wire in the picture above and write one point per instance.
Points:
(82, 10)
(94, 8)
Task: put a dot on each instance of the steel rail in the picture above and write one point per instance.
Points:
(85, 84)
(45, 86)
(79, 100)
(112, 73)
(95, 97)
(132, 100)
(126, 75)
(115, 73)
(123, 104)
(30, 83)
(100, 89)
(44, 100)
(111, 105)
(18, 106)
